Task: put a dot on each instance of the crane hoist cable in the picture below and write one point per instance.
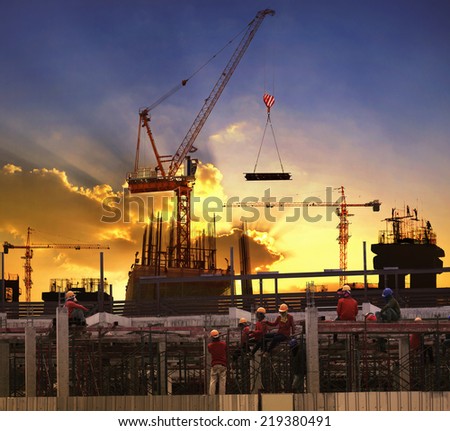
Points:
(269, 101)
(269, 122)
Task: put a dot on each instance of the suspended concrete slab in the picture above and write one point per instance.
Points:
(268, 176)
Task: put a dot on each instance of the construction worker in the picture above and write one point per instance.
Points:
(75, 310)
(218, 351)
(286, 327)
(260, 331)
(244, 327)
(419, 347)
(347, 306)
(391, 311)
(415, 339)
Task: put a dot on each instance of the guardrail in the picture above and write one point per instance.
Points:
(179, 306)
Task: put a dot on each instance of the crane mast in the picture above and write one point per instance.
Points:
(165, 176)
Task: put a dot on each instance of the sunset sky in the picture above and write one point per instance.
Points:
(362, 94)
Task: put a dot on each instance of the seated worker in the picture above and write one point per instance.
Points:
(75, 310)
(391, 311)
(260, 331)
(286, 328)
(347, 306)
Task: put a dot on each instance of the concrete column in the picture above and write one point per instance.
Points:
(403, 353)
(312, 350)
(30, 361)
(4, 369)
(62, 352)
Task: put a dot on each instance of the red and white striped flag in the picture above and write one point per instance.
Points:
(269, 100)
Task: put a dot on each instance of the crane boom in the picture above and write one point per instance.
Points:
(188, 141)
(164, 177)
(7, 246)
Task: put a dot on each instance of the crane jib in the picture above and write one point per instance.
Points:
(145, 179)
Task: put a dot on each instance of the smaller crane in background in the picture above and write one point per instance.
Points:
(29, 255)
(342, 212)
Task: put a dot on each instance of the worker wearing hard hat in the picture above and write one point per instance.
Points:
(415, 339)
(347, 306)
(286, 327)
(260, 331)
(391, 311)
(244, 327)
(218, 351)
(75, 310)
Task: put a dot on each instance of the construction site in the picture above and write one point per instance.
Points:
(150, 351)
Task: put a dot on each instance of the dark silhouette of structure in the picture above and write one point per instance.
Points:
(407, 243)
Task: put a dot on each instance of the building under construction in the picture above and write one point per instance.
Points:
(117, 355)
(158, 261)
(408, 242)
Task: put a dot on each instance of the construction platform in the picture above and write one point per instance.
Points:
(119, 356)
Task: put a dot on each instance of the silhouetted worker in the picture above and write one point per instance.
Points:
(75, 310)
(391, 311)
(347, 306)
(260, 330)
(244, 327)
(286, 327)
(218, 351)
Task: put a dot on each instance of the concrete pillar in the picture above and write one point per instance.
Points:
(312, 350)
(403, 353)
(4, 369)
(30, 361)
(62, 352)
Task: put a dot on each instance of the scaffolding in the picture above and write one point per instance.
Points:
(356, 357)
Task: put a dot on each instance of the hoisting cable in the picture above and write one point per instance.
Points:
(185, 81)
(269, 122)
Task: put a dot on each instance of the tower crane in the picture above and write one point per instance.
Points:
(342, 212)
(29, 255)
(166, 176)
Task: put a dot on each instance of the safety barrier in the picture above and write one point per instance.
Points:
(350, 401)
